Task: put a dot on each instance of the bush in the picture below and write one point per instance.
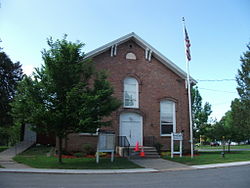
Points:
(158, 146)
(79, 154)
(88, 149)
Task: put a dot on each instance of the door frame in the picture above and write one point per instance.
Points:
(141, 124)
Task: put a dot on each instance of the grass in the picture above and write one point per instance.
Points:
(2, 148)
(36, 157)
(212, 157)
(221, 147)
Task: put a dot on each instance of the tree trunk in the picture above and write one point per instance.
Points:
(60, 150)
(229, 147)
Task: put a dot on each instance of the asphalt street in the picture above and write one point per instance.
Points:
(206, 178)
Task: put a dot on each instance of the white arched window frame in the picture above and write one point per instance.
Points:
(167, 117)
(130, 95)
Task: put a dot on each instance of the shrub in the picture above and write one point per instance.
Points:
(89, 149)
(158, 146)
(79, 154)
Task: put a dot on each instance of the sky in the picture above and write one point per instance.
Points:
(219, 31)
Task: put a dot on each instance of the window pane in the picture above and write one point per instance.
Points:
(129, 99)
(166, 129)
(167, 117)
(130, 92)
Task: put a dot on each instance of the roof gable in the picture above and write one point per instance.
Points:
(145, 46)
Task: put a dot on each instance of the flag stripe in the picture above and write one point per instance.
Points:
(188, 44)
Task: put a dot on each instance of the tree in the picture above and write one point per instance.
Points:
(226, 131)
(241, 119)
(241, 107)
(200, 113)
(10, 74)
(65, 95)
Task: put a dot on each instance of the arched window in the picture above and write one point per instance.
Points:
(131, 56)
(167, 117)
(130, 94)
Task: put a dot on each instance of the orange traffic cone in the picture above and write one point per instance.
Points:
(142, 154)
(137, 146)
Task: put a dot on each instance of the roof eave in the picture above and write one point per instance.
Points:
(144, 45)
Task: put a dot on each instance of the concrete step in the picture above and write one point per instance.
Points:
(149, 152)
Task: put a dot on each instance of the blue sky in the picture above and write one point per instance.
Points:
(218, 29)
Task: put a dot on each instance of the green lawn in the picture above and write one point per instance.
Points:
(36, 157)
(212, 157)
(2, 148)
(221, 147)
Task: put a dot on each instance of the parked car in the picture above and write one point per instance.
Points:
(214, 144)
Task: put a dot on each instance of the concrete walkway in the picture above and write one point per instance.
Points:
(161, 164)
(7, 155)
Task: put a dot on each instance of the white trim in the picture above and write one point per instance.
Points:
(144, 45)
(146, 53)
(111, 51)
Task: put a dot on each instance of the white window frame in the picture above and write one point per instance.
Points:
(136, 103)
(174, 117)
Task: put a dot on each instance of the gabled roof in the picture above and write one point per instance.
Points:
(144, 45)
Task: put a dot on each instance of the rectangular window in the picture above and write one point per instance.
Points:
(167, 118)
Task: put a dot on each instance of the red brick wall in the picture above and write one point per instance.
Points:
(156, 82)
(75, 142)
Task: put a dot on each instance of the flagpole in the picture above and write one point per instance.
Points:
(189, 93)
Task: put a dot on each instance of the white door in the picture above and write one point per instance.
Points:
(131, 127)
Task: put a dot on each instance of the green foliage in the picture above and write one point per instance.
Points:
(241, 107)
(79, 154)
(200, 114)
(65, 95)
(10, 75)
(241, 119)
(243, 77)
(225, 130)
(158, 146)
(88, 149)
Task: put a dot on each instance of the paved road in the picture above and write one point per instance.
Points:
(229, 177)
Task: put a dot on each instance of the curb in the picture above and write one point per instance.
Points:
(69, 171)
(221, 165)
(121, 171)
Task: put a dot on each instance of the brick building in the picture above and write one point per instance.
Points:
(153, 91)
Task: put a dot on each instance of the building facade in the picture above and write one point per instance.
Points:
(152, 89)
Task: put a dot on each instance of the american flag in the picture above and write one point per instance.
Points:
(188, 44)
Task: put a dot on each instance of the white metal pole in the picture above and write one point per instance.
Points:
(189, 96)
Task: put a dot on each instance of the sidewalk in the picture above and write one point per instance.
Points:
(151, 165)
(7, 155)
(161, 164)
(220, 165)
